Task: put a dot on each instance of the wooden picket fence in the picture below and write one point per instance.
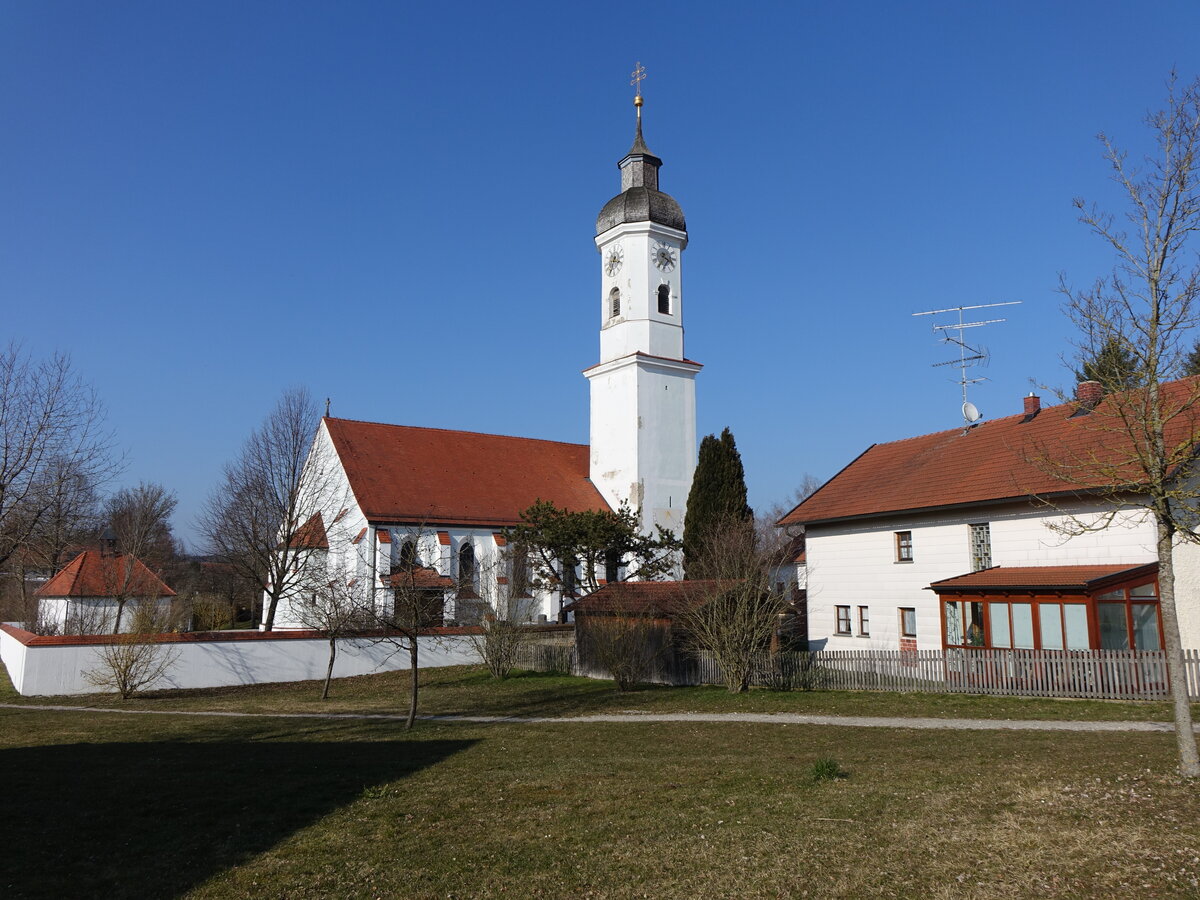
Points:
(1094, 674)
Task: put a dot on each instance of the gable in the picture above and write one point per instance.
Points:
(402, 473)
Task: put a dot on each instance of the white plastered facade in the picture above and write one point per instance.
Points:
(854, 563)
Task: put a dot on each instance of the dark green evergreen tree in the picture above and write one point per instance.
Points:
(717, 499)
(1191, 363)
(1112, 365)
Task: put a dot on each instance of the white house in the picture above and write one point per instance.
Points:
(976, 537)
(87, 595)
(394, 495)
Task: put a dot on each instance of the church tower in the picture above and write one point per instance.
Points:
(643, 391)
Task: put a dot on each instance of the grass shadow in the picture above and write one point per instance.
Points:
(155, 819)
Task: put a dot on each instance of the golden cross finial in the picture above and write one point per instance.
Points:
(639, 72)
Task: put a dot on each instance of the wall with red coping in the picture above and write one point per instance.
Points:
(49, 666)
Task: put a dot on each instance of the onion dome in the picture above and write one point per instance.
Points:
(640, 199)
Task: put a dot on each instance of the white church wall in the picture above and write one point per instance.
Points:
(855, 565)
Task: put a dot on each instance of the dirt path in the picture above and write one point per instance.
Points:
(753, 718)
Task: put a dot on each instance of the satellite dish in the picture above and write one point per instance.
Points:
(971, 412)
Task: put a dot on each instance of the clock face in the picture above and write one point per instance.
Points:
(612, 262)
(664, 256)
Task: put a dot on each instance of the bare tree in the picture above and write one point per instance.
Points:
(1143, 453)
(502, 584)
(255, 520)
(139, 519)
(132, 662)
(52, 436)
(731, 611)
(769, 535)
(412, 601)
(331, 603)
(627, 645)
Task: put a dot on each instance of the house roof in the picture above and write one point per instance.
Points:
(401, 473)
(1009, 458)
(91, 574)
(645, 598)
(1057, 578)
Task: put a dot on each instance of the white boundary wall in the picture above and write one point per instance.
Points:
(38, 670)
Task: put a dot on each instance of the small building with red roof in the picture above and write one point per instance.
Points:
(988, 536)
(96, 589)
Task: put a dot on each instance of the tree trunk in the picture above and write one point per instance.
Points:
(1185, 736)
(329, 670)
(120, 610)
(412, 668)
(269, 625)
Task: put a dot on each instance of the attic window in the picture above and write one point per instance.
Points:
(664, 299)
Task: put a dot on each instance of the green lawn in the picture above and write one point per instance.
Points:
(114, 806)
(468, 690)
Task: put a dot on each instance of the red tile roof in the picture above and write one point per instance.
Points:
(311, 535)
(645, 598)
(1081, 578)
(1003, 459)
(419, 577)
(91, 574)
(401, 473)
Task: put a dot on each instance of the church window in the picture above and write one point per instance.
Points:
(612, 567)
(408, 555)
(614, 303)
(664, 299)
(466, 565)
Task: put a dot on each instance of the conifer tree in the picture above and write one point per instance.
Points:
(717, 497)
(1191, 363)
(1112, 365)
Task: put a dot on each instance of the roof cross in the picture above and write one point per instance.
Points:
(638, 74)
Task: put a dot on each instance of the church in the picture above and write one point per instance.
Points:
(399, 495)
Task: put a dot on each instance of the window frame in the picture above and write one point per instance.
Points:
(864, 621)
(841, 615)
(901, 610)
(984, 559)
(904, 546)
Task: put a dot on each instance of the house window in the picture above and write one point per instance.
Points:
(864, 621)
(664, 299)
(843, 619)
(908, 622)
(981, 547)
(904, 546)
(614, 303)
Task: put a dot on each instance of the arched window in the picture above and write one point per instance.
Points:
(664, 299)
(612, 567)
(568, 578)
(520, 573)
(408, 555)
(614, 303)
(466, 565)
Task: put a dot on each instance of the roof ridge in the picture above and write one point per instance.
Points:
(512, 437)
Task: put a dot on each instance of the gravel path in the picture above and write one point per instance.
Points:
(754, 718)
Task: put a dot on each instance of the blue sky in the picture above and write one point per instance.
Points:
(394, 204)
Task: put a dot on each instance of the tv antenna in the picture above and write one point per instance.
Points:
(969, 355)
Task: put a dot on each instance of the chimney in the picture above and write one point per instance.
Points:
(1088, 394)
(1032, 404)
